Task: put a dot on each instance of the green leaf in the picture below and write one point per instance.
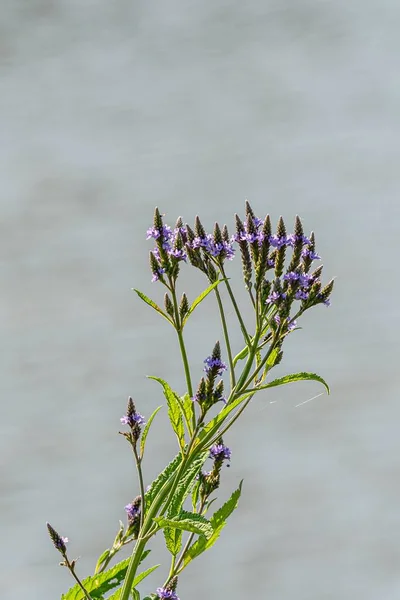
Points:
(143, 575)
(242, 354)
(146, 431)
(173, 536)
(304, 376)
(100, 584)
(163, 477)
(102, 558)
(200, 299)
(174, 410)
(154, 305)
(218, 522)
(187, 411)
(135, 595)
(187, 521)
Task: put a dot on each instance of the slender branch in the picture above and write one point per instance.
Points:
(138, 461)
(226, 336)
(235, 306)
(71, 568)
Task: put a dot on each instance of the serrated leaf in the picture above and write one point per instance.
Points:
(174, 410)
(173, 536)
(184, 486)
(303, 376)
(187, 411)
(146, 431)
(200, 299)
(151, 303)
(218, 522)
(163, 477)
(187, 521)
(100, 584)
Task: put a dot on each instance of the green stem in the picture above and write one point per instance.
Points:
(78, 581)
(226, 336)
(235, 306)
(260, 366)
(132, 568)
(141, 484)
(182, 348)
(249, 362)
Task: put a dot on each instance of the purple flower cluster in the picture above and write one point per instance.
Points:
(214, 364)
(274, 297)
(132, 510)
(275, 241)
(166, 593)
(207, 242)
(134, 419)
(220, 452)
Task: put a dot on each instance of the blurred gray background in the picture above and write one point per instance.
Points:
(110, 108)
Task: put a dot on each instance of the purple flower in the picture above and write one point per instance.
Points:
(220, 452)
(179, 254)
(214, 363)
(135, 419)
(157, 274)
(305, 279)
(278, 242)
(291, 325)
(301, 295)
(166, 593)
(132, 510)
(274, 297)
(293, 238)
(155, 233)
(271, 262)
(327, 302)
(308, 253)
(291, 276)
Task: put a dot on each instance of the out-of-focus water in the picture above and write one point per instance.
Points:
(110, 108)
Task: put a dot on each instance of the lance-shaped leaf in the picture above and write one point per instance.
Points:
(146, 431)
(163, 477)
(187, 521)
(200, 299)
(99, 584)
(175, 411)
(173, 536)
(186, 405)
(218, 522)
(153, 305)
(304, 376)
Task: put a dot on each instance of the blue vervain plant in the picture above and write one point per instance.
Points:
(281, 287)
